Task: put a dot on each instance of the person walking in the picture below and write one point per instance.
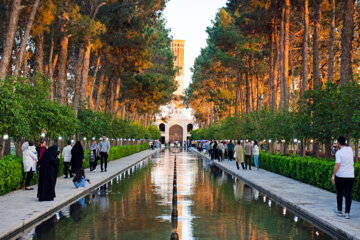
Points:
(343, 175)
(77, 157)
(104, 152)
(256, 154)
(29, 162)
(95, 147)
(231, 150)
(220, 151)
(66, 154)
(225, 150)
(48, 169)
(215, 150)
(248, 154)
(239, 155)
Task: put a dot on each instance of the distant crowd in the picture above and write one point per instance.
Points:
(244, 151)
(230, 150)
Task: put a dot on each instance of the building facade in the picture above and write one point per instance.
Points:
(174, 123)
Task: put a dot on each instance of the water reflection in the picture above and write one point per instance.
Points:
(210, 204)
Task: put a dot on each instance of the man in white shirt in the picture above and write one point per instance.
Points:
(104, 152)
(66, 154)
(343, 176)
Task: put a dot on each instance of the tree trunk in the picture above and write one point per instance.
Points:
(10, 38)
(62, 69)
(331, 43)
(54, 83)
(302, 147)
(18, 144)
(85, 73)
(237, 93)
(304, 75)
(247, 92)
(98, 94)
(282, 61)
(94, 81)
(117, 94)
(109, 91)
(272, 93)
(356, 150)
(241, 100)
(286, 54)
(24, 66)
(51, 67)
(112, 95)
(24, 41)
(328, 150)
(39, 53)
(2, 146)
(316, 51)
(78, 81)
(347, 36)
(276, 67)
(315, 150)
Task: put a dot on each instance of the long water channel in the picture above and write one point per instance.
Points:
(211, 204)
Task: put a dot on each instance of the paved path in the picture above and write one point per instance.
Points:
(19, 209)
(314, 204)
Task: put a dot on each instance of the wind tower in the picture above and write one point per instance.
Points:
(176, 126)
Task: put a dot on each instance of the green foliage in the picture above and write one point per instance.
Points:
(322, 114)
(309, 170)
(26, 111)
(154, 132)
(12, 176)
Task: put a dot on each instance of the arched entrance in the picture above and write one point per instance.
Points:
(176, 133)
(162, 127)
(189, 127)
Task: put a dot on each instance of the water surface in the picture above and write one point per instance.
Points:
(211, 205)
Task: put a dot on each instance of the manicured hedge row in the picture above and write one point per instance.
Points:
(309, 170)
(12, 176)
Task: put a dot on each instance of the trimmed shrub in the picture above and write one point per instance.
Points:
(316, 172)
(12, 176)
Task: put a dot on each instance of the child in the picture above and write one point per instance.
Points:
(92, 159)
(80, 179)
(32, 148)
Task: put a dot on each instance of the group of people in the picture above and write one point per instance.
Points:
(74, 156)
(154, 144)
(221, 150)
(46, 161)
(342, 177)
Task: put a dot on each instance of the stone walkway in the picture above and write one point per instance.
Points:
(311, 203)
(20, 208)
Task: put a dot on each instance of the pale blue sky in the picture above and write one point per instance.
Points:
(188, 20)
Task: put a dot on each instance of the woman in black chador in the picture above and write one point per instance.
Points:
(48, 170)
(77, 157)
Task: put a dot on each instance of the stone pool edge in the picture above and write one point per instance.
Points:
(320, 223)
(41, 216)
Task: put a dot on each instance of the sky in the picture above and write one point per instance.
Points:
(188, 20)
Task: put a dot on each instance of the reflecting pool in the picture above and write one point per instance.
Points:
(211, 204)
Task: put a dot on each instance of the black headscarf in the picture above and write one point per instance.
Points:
(48, 170)
(77, 155)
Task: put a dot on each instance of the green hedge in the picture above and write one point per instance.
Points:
(309, 170)
(12, 176)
